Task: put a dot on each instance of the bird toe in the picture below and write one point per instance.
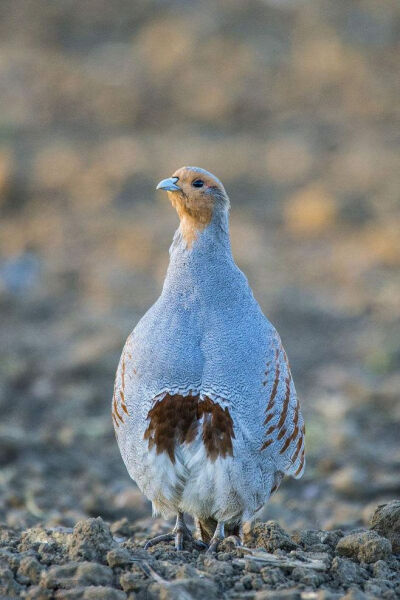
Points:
(165, 537)
(213, 547)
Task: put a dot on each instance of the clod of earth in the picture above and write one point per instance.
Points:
(89, 563)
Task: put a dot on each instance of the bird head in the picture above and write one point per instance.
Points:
(197, 196)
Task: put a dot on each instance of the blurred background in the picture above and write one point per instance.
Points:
(295, 106)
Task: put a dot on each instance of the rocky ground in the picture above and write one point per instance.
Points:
(97, 561)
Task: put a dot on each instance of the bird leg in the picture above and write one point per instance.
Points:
(218, 536)
(179, 533)
(197, 531)
(235, 535)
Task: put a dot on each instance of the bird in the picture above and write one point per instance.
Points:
(204, 407)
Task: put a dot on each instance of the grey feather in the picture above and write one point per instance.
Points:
(206, 334)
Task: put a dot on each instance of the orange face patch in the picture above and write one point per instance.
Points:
(195, 205)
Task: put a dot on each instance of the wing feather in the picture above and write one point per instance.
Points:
(284, 424)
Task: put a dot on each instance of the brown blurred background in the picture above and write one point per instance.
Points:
(295, 106)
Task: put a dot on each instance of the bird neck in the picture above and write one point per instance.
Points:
(210, 249)
(196, 238)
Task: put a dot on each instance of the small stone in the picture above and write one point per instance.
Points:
(50, 553)
(90, 540)
(386, 522)
(272, 576)
(355, 594)
(72, 594)
(257, 583)
(59, 576)
(378, 589)
(37, 592)
(307, 538)
(270, 536)
(118, 557)
(93, 574)
(278, 595)
(29, 570)
(238, 587)
(253, 566)
(381, 570)
(365, 546)
(69, 575)
(308, 576)
(9, 559)
(216, 567)
(196, 589)
(9, 588)
(131, 582)
(8, 537)
(33, 537)
(186, 572)
(247, 582)
(348, 572)
(103, 593)
(330, 538)
(315, 540)
(327, 595)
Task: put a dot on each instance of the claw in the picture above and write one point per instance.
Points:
(218, 536)
(179, 534)
(199, 544)
(213, 547)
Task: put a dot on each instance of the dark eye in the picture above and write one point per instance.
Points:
(198, 183)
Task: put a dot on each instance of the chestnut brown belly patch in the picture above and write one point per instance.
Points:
(176, 419)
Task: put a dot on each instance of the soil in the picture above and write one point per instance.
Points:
(95, 560)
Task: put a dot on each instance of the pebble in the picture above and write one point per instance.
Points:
(29, 570)
(195, 589)
(347, 572)
(367, 547)
(68, 575)
(278, 595)
(118, 557)
(91, 539)
(269, 535)
(386, 522)
(8, 586)
(37, 592)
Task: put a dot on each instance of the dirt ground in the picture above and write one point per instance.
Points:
(294, 105)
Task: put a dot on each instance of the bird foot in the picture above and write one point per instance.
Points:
(179, 534)
(216, 540)
(235, 539)
(220, 537)
(213, 547)
(165, 537)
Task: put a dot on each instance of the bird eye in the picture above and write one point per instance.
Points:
(197, 183)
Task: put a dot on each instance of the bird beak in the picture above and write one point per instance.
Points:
(168, 184)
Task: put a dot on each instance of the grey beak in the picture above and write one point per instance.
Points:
(168, 184)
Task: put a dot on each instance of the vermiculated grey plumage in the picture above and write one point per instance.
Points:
(207, 340)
